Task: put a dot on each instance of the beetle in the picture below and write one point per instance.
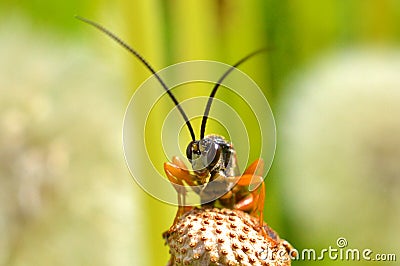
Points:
(215, 175)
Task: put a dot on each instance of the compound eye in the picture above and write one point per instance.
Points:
(213, 155)
(193, 147)
(189, 151)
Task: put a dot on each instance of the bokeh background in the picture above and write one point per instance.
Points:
(332, 77)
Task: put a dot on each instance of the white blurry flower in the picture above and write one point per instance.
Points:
(66, 197)
(340, 148)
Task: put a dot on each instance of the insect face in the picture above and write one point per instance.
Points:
(211, 155)
(203, 155)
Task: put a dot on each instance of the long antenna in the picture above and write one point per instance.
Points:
(218, 84)
(138, 56)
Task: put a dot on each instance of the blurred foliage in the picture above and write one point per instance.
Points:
(52, 15)
(66, 197)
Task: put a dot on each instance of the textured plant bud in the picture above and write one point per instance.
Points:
(224, 237)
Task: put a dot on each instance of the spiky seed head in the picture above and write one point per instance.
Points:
(224, 237)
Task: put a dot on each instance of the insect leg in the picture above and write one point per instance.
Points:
(256, 168)
(180, 189)
(177, 174)
(182, 174)
(254, 202)
(179, 162)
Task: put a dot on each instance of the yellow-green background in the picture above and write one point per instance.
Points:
(66, 195)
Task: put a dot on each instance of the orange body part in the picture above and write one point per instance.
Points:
(253, 203)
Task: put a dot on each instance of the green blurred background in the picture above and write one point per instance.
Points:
(332, 78)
